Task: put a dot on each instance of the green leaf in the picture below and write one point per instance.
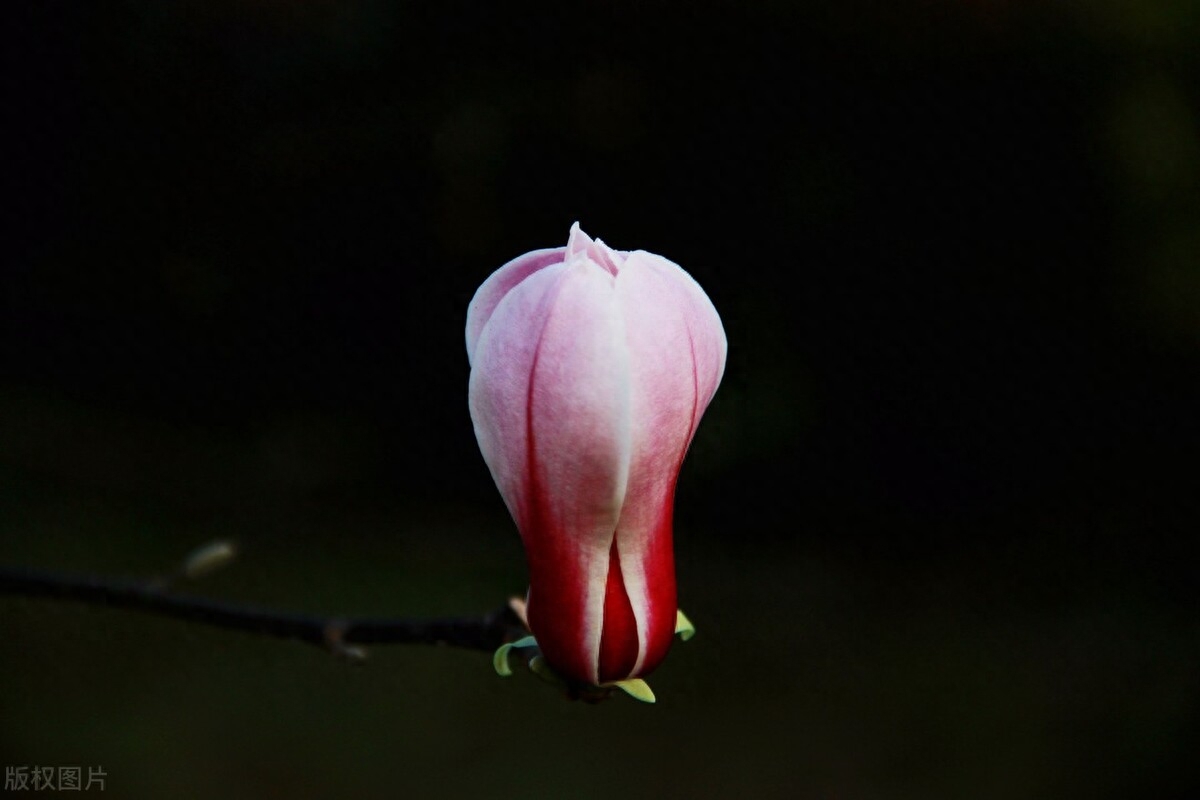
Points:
(636, 688)
(500, 659)
(683, 626)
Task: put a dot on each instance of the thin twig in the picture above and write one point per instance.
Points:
(485, 632)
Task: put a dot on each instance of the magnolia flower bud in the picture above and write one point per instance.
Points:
(590, 369)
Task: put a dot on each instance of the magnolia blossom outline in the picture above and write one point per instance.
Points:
(590, 370)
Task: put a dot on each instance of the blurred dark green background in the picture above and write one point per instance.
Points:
(935, 531)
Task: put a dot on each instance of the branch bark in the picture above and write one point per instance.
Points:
(485, 632)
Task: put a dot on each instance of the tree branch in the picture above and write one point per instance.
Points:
(486, 632)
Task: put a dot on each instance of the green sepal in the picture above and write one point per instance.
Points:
(684, 626)
(500, 659)
(636, 688)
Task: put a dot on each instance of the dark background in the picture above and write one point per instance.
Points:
(935, 530)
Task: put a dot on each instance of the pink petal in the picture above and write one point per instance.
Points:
(550, 398)
(580, 244)
(498, 393)
(499, 284)
(677, 355)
